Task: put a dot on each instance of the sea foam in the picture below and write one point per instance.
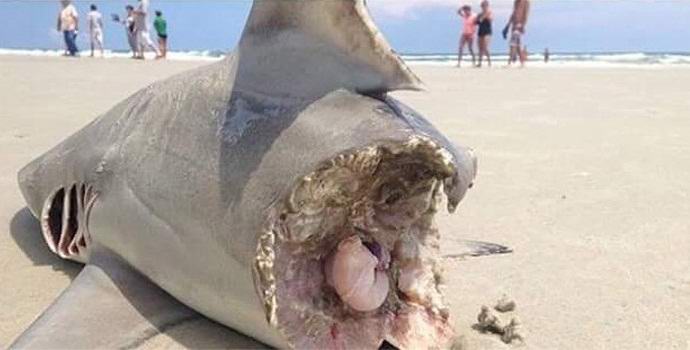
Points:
(585, 60)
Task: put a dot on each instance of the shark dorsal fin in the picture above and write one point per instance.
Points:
(307, 48)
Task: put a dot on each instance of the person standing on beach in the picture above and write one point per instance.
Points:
(161, 26)
(128, 22)
(68, 24)
(96, 29)
(141, 29)
(547, 55)
(484, 20)
(517, 27)
(468, 30)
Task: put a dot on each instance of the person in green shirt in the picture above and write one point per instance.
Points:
(161, 26)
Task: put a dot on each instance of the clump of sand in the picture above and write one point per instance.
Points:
(490, 322)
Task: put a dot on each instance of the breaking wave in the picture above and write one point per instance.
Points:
(206, 55)
(596, 60)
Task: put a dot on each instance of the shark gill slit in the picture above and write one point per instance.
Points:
(54, 218)
(64, 220)
(70, 226)
(81, 241)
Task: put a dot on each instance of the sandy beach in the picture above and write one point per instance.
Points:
(583, 173)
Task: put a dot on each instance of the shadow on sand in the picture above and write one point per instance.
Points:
(26, 232)
(203, 333)
(197, 332)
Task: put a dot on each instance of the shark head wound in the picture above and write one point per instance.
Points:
(354, 252)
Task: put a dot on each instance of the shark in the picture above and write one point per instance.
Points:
(281, 192)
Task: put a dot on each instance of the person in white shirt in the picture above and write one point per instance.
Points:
(96, 29)
(142, 32)
(68, 24)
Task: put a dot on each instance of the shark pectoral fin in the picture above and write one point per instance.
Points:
(474, 249)
(108, 305)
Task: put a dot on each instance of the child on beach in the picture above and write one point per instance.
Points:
(96, 29)
(161, 26)
(468, 30)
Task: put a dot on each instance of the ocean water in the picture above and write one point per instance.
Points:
(207, 55)
(594, 60)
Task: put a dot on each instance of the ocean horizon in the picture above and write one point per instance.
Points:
(557, 59)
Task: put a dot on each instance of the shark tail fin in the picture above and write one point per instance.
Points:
(324, 44)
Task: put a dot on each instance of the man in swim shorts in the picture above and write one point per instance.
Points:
(469, 27)
(95, 19)
(516, 27)
(142, 31)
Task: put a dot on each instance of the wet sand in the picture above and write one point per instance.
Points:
(583, 172)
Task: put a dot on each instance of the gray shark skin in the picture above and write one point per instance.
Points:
(229, 185)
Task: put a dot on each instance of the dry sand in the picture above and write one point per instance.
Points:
(585, 173)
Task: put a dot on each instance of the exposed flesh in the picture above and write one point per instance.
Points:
(356, 253)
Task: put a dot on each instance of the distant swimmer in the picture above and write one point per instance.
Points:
(68, 24)
(517, 26)
(468, 29)
(484, 20)
(95, 19)
(142, 31)
(161, 26)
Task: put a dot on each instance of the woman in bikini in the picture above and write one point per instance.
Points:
(484, 20)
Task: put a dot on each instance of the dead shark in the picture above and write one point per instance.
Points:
(280, 192)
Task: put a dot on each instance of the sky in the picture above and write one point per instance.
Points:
(411, 26)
